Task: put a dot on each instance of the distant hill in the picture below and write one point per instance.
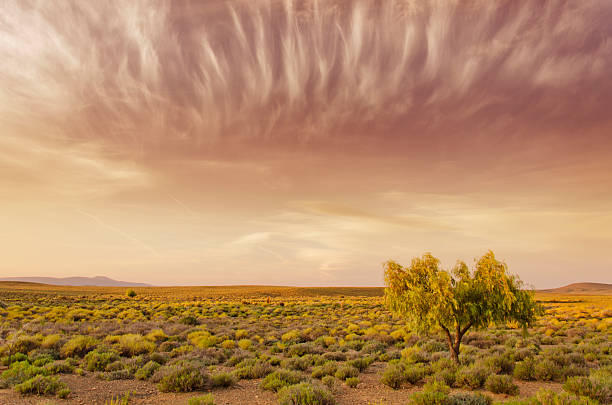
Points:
(99, 281)
(582, 288)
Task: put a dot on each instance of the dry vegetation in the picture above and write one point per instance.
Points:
(223, 345)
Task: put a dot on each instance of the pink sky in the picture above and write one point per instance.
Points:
(304, 143)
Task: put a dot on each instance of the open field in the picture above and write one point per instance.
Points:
(241, 344)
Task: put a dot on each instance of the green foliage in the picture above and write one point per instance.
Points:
(207, 399)
(41, 385)
(599, 389)
(223, 380)
(182, 378)
(146, 371)
(434, 393)
(393, 376)
(20, 372)
(79, 346)
(501, 384)
(525, 370)
(352, 382)
(548, 397)
(345, 371)
(472, 377)
(328, 368)
(130, 293)
(305, 394)
(98, 359)
(433, 299)
(279, 379)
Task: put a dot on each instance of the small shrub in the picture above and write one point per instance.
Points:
(78, 346)
(361, 363)
(472, 377)
(345, 371)
(182, 378)
(223, 380)
(98, 359)
(326, 369)
(207, 399)
(414, 373)
(305, 394)
(59, 367)
(41, 385)
(594, 388)
(501, 384)
(279, 379)
(146, 371)
(434, 393)
(524, 370)
(393, 376)
(352, 381)
(130, 293)
(20, 372)
(545, 370)
(328, 381)
(466, 398)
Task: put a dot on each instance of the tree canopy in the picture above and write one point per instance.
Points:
(433, 299)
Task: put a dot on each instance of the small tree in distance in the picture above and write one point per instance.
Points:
(454, 301)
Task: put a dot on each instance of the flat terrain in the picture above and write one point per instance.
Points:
(103, 344)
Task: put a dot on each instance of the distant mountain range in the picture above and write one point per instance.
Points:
(582, 288)
(99, 281)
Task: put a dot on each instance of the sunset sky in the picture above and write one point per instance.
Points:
(304, 142)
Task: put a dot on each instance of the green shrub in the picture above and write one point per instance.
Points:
(501, 363)
(433, 393)
(25, 344)
(352, 381)
(207, 399)
(545, 370)
(41, 385)
(279, 379)
(548, 397)
(98, 359)
(305, 394)
(133, 344)
(328, 381)
(130, 293)
(223, 380)
(524, 370)
(466, 398)
(328, 368)
(59, 367)
(361, 363)
(393, 376)
(20, 372)
(413, 373)
(146, 371)
(596, 389)
(501, 384)
(119, 400)
(345, 371)
(447, 376)
(472, 377)
(78, 346)
(182, 378)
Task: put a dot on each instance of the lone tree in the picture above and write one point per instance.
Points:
(454, 301)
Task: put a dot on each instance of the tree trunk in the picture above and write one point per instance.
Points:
(455, 344)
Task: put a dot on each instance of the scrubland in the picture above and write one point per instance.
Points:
(274, 345)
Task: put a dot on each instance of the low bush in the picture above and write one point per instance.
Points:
(98, 359)
(596, 389)
(501, 384)
(545, 370)
(59, 367)
(20, 372)
(279, 379)
(393, 376)
(223, 380)
(305, 394)
(352, 382)
(78, 346)
(434, 393)
(42, 385)
(321, 371)
(345, 371)
(466, 398)
(549, 397)
(146, 371)
(182, 378)
(524, 370)
(472, 377)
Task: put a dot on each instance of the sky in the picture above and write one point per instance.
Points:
(304, 142)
